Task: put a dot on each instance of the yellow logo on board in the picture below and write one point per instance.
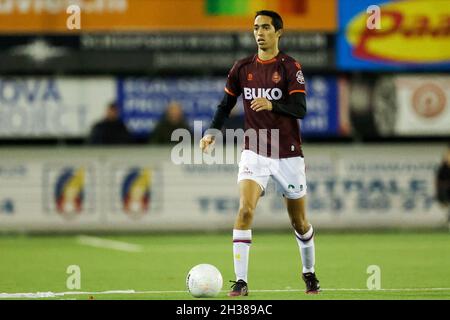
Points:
(411, 32)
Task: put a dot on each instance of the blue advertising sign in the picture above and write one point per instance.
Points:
(393, 35)
(144, 101)
(322, 107)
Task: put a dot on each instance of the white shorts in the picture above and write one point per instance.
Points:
(288, 173)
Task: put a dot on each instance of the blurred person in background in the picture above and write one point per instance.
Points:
(111, 129)
(443, 183)
(172, 119)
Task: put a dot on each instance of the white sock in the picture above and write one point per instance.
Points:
(242, 240)
(306, 246)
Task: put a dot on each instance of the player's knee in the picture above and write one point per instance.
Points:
(246, 212)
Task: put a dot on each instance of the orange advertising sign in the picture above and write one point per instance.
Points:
(36, 16)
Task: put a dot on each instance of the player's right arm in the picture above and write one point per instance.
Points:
(232, 91)
(222, 113)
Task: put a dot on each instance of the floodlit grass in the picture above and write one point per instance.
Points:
(413, 265)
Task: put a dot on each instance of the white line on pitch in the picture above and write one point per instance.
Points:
(50, 294)
(356, 289)
(69, 293)
(108, 244)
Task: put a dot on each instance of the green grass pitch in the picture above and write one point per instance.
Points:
(413, 265)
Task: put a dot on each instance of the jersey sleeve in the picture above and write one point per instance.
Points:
(233, 86)
(295, 78)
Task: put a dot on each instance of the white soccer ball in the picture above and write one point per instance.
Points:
(204, 281)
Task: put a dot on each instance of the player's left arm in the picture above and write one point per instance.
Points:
(294, 107)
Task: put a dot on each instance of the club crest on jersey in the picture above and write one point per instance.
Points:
(269, 94)
(249, 77)
(300, 77)
(276, 77)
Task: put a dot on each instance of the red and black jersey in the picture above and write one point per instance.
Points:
(274, 80)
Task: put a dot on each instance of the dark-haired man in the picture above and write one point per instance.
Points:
(273, 89)
(111, 129)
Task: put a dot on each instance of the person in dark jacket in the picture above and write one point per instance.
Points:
(443, 180)
(172, 119)
(111, 129)
(443, 183)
